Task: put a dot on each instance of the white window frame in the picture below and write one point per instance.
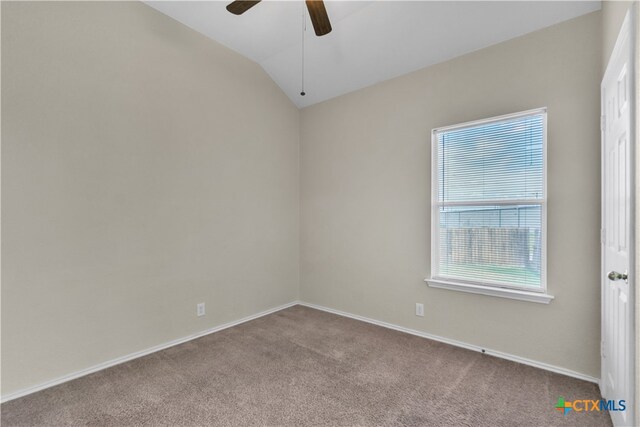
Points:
(487, 287)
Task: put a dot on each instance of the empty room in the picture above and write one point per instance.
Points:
(327, 213)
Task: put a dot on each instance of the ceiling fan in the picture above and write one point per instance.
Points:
(317, 13)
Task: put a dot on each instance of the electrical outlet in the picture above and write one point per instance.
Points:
(419, 309)
(200, 309)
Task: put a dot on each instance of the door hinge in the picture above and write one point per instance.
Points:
(603, 236)
(602, 349)
(603, 123)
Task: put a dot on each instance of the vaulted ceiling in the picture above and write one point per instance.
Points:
(371, 41)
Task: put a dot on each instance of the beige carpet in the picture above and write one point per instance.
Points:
(301, 366)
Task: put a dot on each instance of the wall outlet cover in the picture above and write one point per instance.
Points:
(200, 309)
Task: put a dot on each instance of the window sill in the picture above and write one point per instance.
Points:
(538, 297)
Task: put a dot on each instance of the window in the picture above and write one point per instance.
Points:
(489, 211)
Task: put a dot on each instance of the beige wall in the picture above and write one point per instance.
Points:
(613, 13)
(145, 169)
(365, 173)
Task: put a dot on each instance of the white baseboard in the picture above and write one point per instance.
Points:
(137, 354)
(456, 343)
(119, 360)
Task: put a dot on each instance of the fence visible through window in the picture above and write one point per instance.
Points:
(489, 197)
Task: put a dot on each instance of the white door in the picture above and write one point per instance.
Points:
(617, 223)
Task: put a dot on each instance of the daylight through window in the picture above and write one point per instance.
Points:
(489, 202)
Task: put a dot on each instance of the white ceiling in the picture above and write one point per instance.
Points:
(371, 41)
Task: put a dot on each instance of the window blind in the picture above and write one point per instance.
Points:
(489, 202)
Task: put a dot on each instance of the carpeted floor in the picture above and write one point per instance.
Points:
(301, 366)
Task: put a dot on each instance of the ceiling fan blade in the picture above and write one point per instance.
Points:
(239, 7)
(319, 17)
